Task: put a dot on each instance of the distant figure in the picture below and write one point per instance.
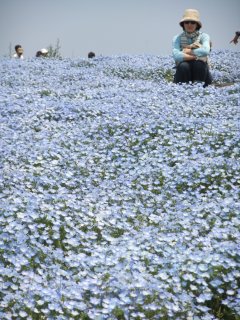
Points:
(42, 53)
(19, 52)
(38, 54)
(235, 39)
(91, 55)
(190, 51)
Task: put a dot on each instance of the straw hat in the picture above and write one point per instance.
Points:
(191, 15)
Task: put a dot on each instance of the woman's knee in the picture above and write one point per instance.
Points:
(183, 73)
(183, 67)
(199, 66)
(200, 70)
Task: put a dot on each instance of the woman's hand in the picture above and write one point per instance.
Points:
(188, 51)
(189, 57)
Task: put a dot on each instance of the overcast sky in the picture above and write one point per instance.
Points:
(111, 27)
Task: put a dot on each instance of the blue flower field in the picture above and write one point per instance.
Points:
(119, 190)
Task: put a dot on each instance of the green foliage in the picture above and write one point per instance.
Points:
(221, 311)
(10, 50)
(117, 232)
(54, 52)
(119, 313)
(45, 93)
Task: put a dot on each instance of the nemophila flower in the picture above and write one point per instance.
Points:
(119, 197)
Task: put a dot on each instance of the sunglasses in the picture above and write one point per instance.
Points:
(189, 22)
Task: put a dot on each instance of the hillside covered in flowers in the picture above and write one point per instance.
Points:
(119, 190)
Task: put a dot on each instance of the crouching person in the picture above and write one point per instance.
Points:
(190, 51)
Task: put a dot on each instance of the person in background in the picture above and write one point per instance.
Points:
(42, 53)
(38, 53)
(190, 51)
(91, 55)
(18, 52)
(235, 39)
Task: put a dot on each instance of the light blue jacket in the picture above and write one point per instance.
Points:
(204, 51)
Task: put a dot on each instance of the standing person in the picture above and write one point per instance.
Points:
(19, 52)
(190, 51)
(235, 39)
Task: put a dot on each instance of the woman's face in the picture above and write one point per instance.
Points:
(190, 26)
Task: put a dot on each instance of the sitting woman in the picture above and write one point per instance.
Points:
(190, 51)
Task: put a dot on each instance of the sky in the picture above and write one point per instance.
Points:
(111, 27)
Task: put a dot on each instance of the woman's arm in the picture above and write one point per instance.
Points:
(205, 48)
(181, 55)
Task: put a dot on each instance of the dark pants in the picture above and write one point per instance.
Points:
(193, 71)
